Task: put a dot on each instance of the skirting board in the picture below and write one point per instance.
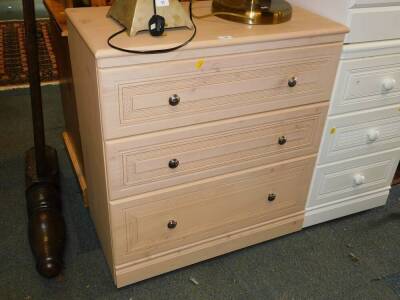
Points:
(338, 209)
(131, 273)
(396, 179)
(76, 167)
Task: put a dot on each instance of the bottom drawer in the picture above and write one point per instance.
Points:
(348, 178)
(174, 218)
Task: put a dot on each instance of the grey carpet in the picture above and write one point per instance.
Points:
(356, 257)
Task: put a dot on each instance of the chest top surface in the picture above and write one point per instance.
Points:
(95, 27)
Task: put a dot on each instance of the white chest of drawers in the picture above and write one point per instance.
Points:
(202, 151)
(360, 148)
(368, 20)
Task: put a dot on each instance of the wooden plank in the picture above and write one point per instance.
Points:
(60, 46)
(76, 166)
(101, 2)
(57, 11)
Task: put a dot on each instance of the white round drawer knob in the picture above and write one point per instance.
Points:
(359, 179)
(388, 84)
(372, 135)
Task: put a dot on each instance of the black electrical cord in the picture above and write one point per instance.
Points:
(157, 50)
(154, 7)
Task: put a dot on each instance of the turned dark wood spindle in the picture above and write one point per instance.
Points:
(46, 225)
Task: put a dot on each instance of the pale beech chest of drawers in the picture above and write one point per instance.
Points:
(201, 151)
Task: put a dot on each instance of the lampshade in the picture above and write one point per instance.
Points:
(135, 14)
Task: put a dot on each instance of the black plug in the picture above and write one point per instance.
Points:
(156, 25)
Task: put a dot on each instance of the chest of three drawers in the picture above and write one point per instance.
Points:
(234, 144)
(199, 153)
(360, 150)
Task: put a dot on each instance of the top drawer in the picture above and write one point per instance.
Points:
(366, 83)
(368, 20)
(370, 3)
(373, 24)
(141, 99)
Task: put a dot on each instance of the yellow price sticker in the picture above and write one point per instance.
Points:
(333, 130)
(199, 64)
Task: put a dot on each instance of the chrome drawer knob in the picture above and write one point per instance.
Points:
(388, 84)
(174, 100)
(282, 140)
(372, 135)
(359, 179)
(292, 81)
(173, 163)
(172, 224)
(271, 197)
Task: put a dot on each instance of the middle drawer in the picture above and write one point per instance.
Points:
(154, 161)
(357, 134)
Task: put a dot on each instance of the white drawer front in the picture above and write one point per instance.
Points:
(359, 134)
(371, 3)
(366, 83)
(373, 24)
(351, 177)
